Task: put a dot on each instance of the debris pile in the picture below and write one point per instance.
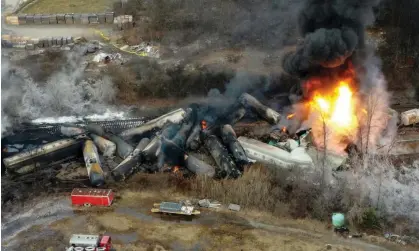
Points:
(145, 49)
(170, 143)
(410, 117)
(208, 204)
(402, 240)
(105, 58)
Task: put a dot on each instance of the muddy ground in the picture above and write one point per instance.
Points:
(46, 222)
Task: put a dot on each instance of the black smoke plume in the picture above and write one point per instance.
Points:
(333, 30)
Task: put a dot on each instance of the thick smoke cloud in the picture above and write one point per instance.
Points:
(267, 24)
(332, 31)
(330, 48)
(247, 78)
(65, 93)
(270, 24)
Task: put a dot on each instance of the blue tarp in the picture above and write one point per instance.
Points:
(170, 206)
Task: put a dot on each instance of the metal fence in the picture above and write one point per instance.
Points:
(69, 18)
(28, 43)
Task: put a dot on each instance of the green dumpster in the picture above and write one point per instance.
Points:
(338, 220)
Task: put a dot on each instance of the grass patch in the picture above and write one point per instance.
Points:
(282, 192)
(116, 222)
(144, 78)
(278, 192)
(64, 6)
(40, 67)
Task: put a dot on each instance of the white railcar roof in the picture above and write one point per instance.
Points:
(84, 239)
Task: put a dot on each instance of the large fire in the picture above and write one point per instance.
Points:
(203, 124)
(339, 108)
(334, 120)
(175, 169)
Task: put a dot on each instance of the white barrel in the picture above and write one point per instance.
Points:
(410, 117)
(90, 249)
(78, 249)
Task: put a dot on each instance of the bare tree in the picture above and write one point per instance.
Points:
(322, 117)
(376, 119)
(371, 105)
(325, 132)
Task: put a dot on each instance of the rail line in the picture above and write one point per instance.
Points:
(112, 126)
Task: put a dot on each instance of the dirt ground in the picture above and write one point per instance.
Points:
(47, 224)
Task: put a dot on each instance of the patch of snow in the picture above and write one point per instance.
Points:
(108, 115)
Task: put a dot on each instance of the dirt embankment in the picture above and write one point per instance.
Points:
(133, 227)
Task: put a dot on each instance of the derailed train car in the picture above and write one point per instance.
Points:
(53, 152)
(93, 165)
(274, 156)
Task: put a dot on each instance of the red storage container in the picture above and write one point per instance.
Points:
(92, 196)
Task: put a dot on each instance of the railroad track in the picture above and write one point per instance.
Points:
(28, 136)
(114, 126)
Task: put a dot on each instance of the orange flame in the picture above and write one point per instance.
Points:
(337, 116)
(290, 116)
(203, 124)
(175, 169)
(284, 129)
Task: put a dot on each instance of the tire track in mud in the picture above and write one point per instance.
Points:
(326, 238)
(42, 213)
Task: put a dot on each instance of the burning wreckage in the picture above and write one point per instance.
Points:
(169, 144)
(168, 141)
(344, 106)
